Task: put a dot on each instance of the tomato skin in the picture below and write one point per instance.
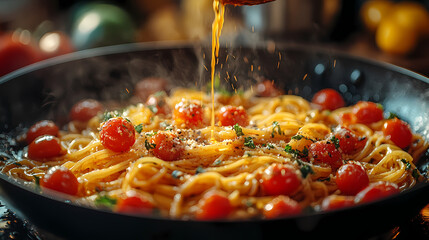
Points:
(325, 152)
(117, 134)
(281, 206)
(376, 191)
(44, 127)
(280, 180)
(351, 178)
(189, 114)
(367, 112)
(157, 103)
(60, 179)
(44, 147)
(398, 131)
(231, 115)
(328, 99)
(134, 203)
(348, 140)
(334, 202)
(15, 54)
(166, 146)
(85, 109)
(214, 205)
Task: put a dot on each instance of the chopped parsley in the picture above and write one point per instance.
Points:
(415, 173)
(139, 128)
(149, 145)
(238, 130)
(296, 153)
(324, 179)
(248, 142)
(106, 201)
(392, 116)
(335, 141)
(299, 137)
(270, 146)
(276, 129)
(407, 164)
(111, 114)
(305, 170)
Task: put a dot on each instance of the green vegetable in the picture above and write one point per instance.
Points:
(149, 145)
(106, 201)
(238, 130)
(248, 142)
(139, 128)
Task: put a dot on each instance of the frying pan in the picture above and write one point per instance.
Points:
(47, 90)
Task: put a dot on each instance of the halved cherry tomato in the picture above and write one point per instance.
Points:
(156, 102)
(280, 180)
(134, 203)
(328, 99)
(351, 178)
(117, 134)
(376, 191)
(281, 206)
(231, 115)
(165, 146)
(60, 179)
(367, 112)
(336, 202)
(398, 131)
(349, 142)
(214, 205)
(44, 147)
(325, 152)
(267, 88)
(85, 110)
(44, 127)
(188, 113)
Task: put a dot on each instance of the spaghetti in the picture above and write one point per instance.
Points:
(238, 166)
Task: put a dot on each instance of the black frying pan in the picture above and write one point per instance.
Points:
(47, 90)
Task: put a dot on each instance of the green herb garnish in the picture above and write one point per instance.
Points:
(149, 145)
(305, 170)
(407, 164)
(276, 129)
(248, 142)
(106, 201)
(238, 130)
(139, 128)
(335, 141)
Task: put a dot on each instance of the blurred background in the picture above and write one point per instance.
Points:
(386, 30)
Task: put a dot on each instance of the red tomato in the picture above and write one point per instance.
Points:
(133, 203)
(325, 152)
(214, 205)
(351, 178)
(44, 147)
(267, 88)
(398, 131)
(347, 118)
(15, 54)
(367, 112)
(85, 110)
(348, 140)
(328, 99)
(334, 202)
(230, 115)
(117, 134)
(44, 127)
(281, 206)
(60, 179)
(165, 146)
(188, 113)
(53, 44)
(376, 191)
(156, 102)
(280, 180)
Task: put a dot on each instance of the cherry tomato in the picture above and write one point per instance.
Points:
(156, 102)
(347, 118)
(117, 134)
(367, 112)
(189, 114)
(351, 178)
(280, 180)
(398, 131)
(44, 127)
(85, 110)
(281, 206)
(60, 179)
(54, 44)
(376, 191)
(334, 202)
(267, 88)
(214, 205)
(165, 146)
(230, 115)
(349, 142)
(325, 152)
(328, 99)
(133, 203)
(15, 53)
(44, 147)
